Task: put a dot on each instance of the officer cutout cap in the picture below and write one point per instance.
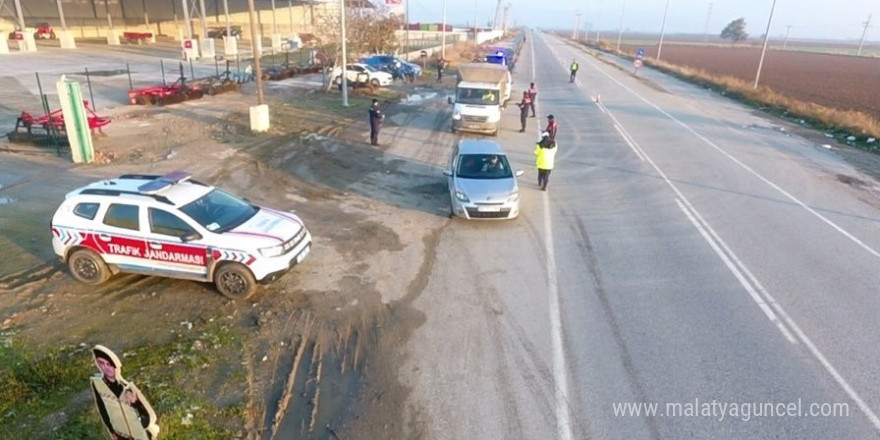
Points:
(550, 117)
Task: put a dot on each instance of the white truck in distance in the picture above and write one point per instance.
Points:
(483, 89)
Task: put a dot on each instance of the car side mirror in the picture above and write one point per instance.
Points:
(520, 173)
(449, 99)
(192, 236)
(447, 173)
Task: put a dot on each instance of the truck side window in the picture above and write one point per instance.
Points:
(166, 223)
(86, 210)
(122, 216)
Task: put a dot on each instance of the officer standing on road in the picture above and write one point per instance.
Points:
(533, 93)
(376, 118)
(574, 70)
(524, 110)
(441, 64)
(552, 126)
(546, 154)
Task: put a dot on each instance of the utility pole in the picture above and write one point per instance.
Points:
(864, 31)
(620, 27)
(577, 24)
(708, 18)
(406, 19)
(475, 23)
(443, 34)
(764, 48)
(343, 69)
(663, 29)
(785, 41)
(258, 70)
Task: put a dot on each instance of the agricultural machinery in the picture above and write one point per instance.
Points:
(49, 128)
(173, 93)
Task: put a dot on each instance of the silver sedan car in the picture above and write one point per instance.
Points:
(482, 184)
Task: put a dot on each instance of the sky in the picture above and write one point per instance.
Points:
(801, 19)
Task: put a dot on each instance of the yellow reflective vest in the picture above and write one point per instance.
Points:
(545, 157)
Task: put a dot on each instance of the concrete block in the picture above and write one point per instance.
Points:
(259, 118)
(230, 47)
(67, 40)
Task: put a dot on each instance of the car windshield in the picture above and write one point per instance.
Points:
(370, 68)
(219, 211)
(483, 166)
(477, 96)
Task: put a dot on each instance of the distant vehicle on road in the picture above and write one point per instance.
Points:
(482, 184)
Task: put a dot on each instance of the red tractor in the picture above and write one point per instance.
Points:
(44, 32)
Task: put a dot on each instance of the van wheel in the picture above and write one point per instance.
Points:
(87, 267)
(235, 281)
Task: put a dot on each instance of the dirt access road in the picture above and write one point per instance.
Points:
(310, 353)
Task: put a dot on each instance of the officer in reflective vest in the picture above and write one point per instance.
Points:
(125, 412)
(574, 70)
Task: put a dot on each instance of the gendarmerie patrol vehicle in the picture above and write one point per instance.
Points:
(176, 227)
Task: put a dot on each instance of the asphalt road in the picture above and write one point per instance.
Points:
(689, 253)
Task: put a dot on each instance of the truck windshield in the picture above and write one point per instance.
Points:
(477, 96)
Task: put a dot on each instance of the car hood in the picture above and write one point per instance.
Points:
(268, 228)
(487, 190)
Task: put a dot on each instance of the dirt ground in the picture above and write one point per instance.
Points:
(835, 81)
(314, 345)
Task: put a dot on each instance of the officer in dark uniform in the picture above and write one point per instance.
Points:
(524, 106)
(376, 118)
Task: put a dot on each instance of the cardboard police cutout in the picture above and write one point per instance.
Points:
(124, 410)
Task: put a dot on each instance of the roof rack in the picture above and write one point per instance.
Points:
(117, 192)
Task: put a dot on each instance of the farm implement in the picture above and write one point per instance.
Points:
(173, 93)
(49, 128)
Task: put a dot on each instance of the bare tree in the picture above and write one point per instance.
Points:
(367, 31)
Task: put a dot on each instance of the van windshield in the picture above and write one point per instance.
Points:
(477, 96)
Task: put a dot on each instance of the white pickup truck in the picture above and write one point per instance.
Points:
(483, 89)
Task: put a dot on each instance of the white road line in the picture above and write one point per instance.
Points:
(702, 228)
(560, 375)
(626, 137)
(844, 384)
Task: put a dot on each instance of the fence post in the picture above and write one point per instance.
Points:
(128, 69)
(162, 66)
(91, 95)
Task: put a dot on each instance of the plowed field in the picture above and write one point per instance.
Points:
(837, 81)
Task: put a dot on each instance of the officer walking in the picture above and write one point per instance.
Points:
(533, 93)
(524, 106)
(376, 118)
(545, 153)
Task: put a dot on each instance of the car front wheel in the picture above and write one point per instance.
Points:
(235, 281)
(87, 267)
(375, 82)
